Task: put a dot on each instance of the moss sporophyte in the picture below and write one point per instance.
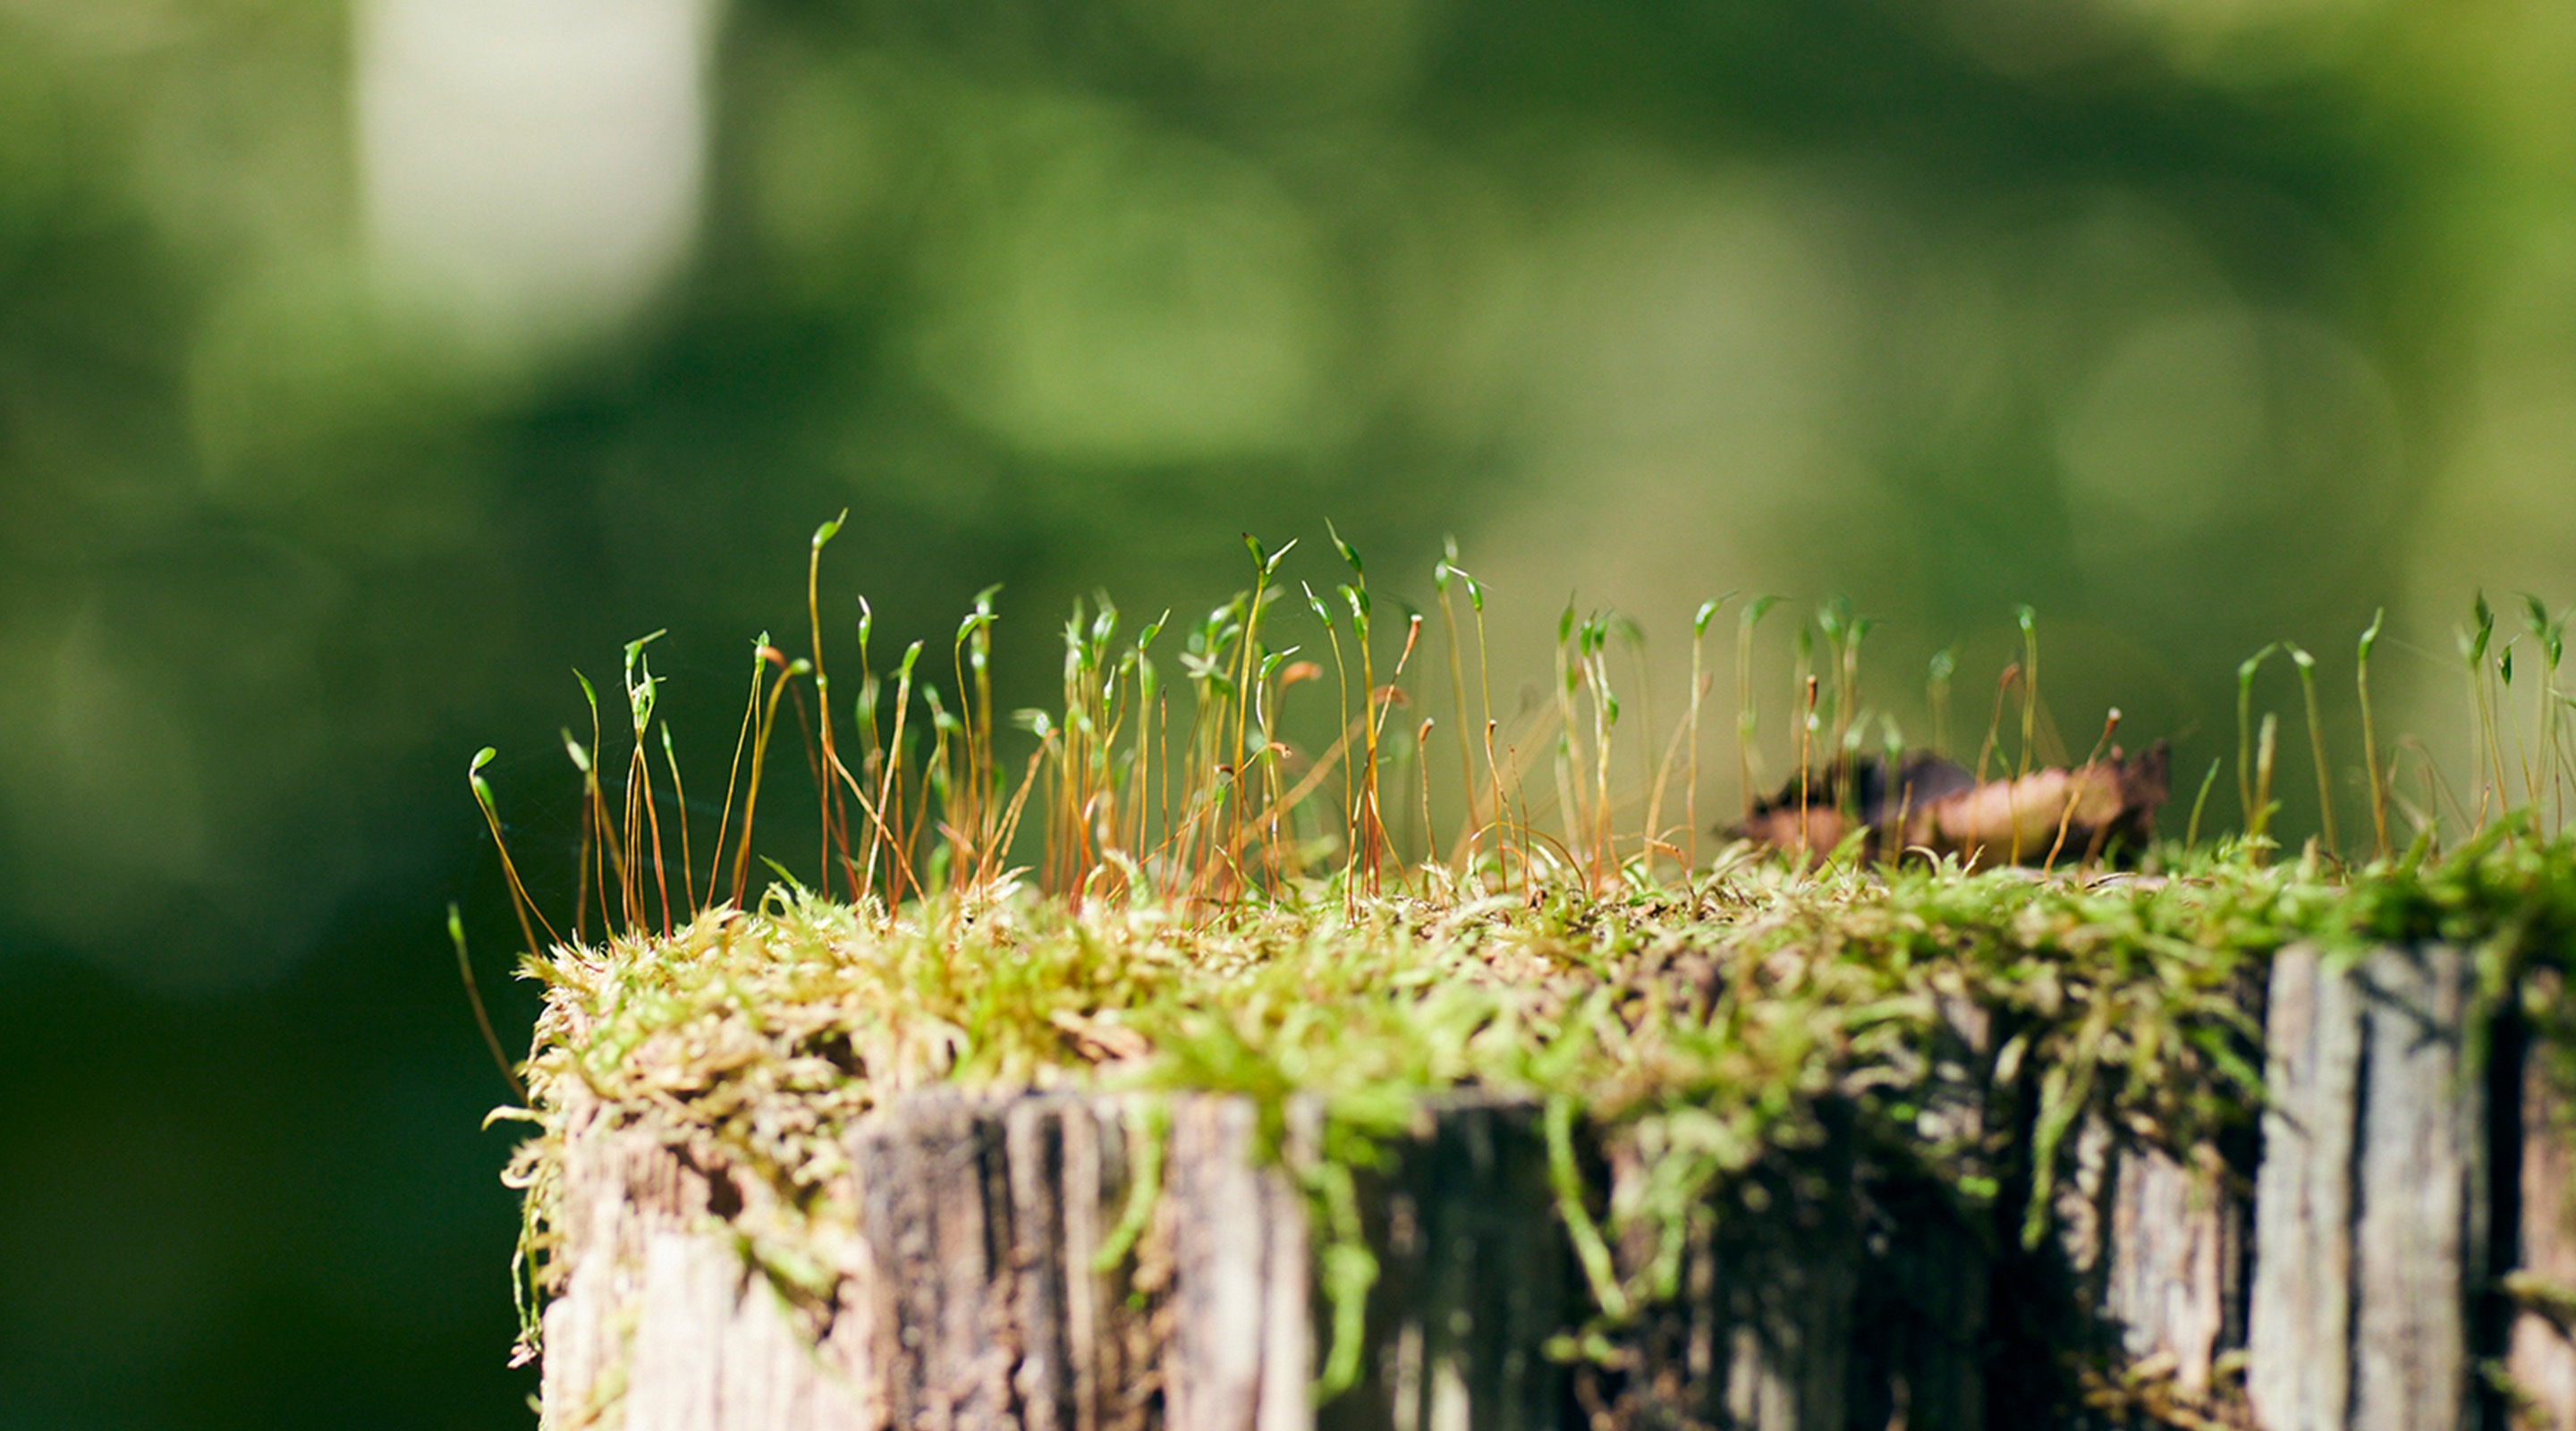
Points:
(1168, 890)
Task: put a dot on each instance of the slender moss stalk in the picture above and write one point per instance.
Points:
(939, 789)
(2474, 642)
(1844, 635)
(733, 776)
(2245, 797)
(1468, 836)
(607, 844)
(2028, 620)
(787, 671)
(1806, 740)
(1995, 723)
(482, 1016)
(2265, 742)
(1394, 693)
(2191, 832)
(872, 749)
(1252, 668)
(2370, 739)
(2307, 665)
(2066, 815)
(1744, 718)
(1834, 619)
(2550, 634)
(1341, 715)
(1892, 757)
(973, 823)
(835, 814)
(1478, 817)
(1698, 690)
(582, 861)
(1153, 723)
(900, 870)
(680, 803)
(1225, 823)
(1631, 634)
(642, 686)
(520, 904)
(1569, 673)
(1605, 720)
(1266, 696)
(1422, 763)
(1372, 838)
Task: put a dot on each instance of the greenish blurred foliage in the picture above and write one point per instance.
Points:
(363, 369)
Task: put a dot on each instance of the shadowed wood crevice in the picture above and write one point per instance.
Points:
(1472, 1280)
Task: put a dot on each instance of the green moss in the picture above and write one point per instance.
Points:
(1723, 1010)
(1711, 1023)
(1203, 916)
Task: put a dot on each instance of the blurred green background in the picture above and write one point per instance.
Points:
(362, 369)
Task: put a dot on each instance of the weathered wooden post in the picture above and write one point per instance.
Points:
(1097, 1262)
(2371, 1211)
(2540, 1357)
(954, 1278)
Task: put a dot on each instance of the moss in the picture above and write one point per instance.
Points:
(1200, 920)
(1724, 1009)
(1710, 1022)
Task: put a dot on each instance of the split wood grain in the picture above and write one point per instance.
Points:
(2176, 1248)
(2370, 1205)
(2541, 1350)
(2157, 1253)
